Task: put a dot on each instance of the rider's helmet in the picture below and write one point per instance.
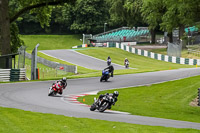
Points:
(64, 79)
(116, 93)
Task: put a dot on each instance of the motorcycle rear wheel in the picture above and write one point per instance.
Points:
(51, 92)
(103, 108)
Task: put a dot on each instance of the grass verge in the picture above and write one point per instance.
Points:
(141, 63)
(166, 100)
(18, 121)
(50, 73)
(81, 70)
(51, 42)
(184, 53)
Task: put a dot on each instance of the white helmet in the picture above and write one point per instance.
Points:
(116, 93)
(64, 79)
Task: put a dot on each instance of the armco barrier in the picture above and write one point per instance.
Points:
(7, 75)
(67, 68)
(156, 56)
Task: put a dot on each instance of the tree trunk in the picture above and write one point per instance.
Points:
(0, 26)
(170, 35)
(153, 36)
(5, 27)
(181, 34)
(181, 31)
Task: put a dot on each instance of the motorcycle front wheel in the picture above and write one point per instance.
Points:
(51, 92)
(101, 79)
(93, 107)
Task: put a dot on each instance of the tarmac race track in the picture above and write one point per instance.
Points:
(32, 96)
(79, 59)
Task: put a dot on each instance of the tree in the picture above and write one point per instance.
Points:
(170, 14)
(9, 15)
(90, 16)
(126, 12)
(4, 27)
(152, 12)
(180, 14)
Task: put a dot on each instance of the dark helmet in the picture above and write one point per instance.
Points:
(116, 93)
(64, 79)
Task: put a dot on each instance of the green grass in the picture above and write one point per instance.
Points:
(81, 70)
(141, 63)
(166, 100)
(18, 121)
(184, 53)
(14, 120)
(50, 73)
(49, 42)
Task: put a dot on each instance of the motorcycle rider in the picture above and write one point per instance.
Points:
(110, 69)
(126, 61)
(61, 83)
(114, 95)
(108, 60)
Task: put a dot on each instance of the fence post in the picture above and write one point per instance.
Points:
(198, 96)
(34, 62)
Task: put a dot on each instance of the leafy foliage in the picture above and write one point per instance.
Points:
(126, 12)
(89, 16)
(11, 10)
(16, 42)
(152, 12)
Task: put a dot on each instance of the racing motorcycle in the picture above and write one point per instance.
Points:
(105, 75)
(126, 64)
(56, 88)
(105, 103)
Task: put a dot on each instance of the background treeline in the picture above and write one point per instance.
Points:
(85, 16)
(89, 16)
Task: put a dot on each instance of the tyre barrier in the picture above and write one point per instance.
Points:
(7, 75)
(156, 56)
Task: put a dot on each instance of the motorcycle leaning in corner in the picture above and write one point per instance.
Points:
(104, 102)
(58, 87)
(105, 75)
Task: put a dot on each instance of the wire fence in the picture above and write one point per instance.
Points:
(55, 65)
(46, 73)
(174, 49)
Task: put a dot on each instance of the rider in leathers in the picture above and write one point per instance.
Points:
(114, 95)
(108, 60)
(61, 83)
(126, 61)
(110, 69)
